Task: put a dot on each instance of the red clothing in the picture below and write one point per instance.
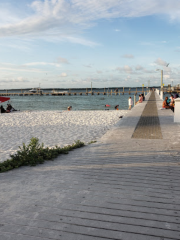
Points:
(141, 99)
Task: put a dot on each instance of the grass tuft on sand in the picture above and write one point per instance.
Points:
(35, 153)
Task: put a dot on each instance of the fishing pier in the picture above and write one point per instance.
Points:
(87, 92)
(71, 93)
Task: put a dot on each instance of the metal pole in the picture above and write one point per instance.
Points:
(161, 80)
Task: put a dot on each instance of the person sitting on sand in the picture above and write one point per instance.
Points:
(2, 110)
(8, 109)
(69, 108)
(166, 105)
(117, 107)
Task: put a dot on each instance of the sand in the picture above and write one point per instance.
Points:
(53, 128)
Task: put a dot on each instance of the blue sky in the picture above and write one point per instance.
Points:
(71, 43)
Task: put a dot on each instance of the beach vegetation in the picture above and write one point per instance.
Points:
(92, 142)
(35, 153)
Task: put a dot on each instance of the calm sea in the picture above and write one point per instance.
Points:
(78, 102)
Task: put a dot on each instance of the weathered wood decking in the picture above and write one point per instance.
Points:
(119, 188)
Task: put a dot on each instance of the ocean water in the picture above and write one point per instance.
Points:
(78, 102)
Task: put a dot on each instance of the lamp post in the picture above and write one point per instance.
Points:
(161, 78)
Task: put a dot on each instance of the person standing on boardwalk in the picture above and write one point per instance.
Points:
(130, 103)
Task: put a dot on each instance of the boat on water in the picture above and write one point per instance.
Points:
(35, 90)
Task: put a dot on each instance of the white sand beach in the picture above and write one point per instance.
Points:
(53, 128)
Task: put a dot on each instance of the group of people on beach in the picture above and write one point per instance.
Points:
(8, 109)
(169, 103)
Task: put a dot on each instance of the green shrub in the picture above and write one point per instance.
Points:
(35, 153)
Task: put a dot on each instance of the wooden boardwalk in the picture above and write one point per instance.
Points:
(119, 188)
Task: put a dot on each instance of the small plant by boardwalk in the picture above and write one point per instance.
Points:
(35, 153)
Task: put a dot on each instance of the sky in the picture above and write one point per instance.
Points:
(73, 43)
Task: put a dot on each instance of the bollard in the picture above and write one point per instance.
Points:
(177, 110)
(134, 99)
(161, 95)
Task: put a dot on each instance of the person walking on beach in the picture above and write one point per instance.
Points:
(130, 103)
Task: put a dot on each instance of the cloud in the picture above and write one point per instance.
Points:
(17, 46)
(42, 64)
(63, 20)
(64, 74)
(14, 80)
(139, 67)
(128, 78)
(99, 71)
(128, 56)
(18, 68)
(160, 62)
(117, 30)
(127, 69)
(62, 60)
